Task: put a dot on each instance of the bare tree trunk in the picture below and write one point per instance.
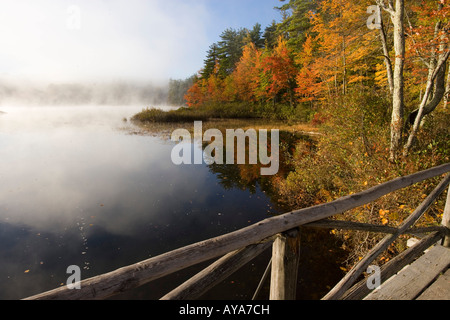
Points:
(398, 96)
(387, 58)
(397, 17)
(447, 89)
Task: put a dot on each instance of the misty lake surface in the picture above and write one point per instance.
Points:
(77, 187)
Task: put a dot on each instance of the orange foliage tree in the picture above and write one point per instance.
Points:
(279, 72)
(246, 76)
(309, 82)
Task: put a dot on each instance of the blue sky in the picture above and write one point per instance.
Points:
(102, 40)
(241, 13)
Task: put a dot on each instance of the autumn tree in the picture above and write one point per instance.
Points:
(309, 82)
(246, 75)
(279, 72)
(344, 42)
(195, 96)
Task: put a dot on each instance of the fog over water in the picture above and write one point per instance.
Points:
(114, 93)
(78, 187)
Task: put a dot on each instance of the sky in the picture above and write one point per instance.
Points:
(60, 41)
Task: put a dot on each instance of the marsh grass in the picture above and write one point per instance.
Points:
(228, 110)
(179, 115)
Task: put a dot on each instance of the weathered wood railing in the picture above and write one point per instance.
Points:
(282, 233)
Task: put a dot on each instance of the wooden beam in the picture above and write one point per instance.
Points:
(350, 225)
(446, 220)
(368, 227)
(129, 277)
(201, 283)
(285, 262)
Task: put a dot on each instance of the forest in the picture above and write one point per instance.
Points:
(326, 50)
(372, 75)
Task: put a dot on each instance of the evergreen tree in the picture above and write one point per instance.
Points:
(210, 62)
(255, 36)
(270, 36)
(230, 50)
(296, 21)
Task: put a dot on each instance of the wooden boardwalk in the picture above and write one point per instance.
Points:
(410, 275)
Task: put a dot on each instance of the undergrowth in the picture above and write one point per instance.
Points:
(352, 155)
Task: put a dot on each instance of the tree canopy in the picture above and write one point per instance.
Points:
(322, 50)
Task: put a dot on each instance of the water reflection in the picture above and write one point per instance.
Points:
(77, 188)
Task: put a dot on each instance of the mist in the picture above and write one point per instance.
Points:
(73, 94)
(54, 50)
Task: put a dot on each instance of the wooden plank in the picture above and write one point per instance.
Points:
(346, 283)
(439, 290)
(360, 290)
(132, 276)
(201, 283)
(412, 280)
(285, 263)
(367, 227)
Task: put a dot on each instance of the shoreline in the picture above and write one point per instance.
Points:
(153, 120)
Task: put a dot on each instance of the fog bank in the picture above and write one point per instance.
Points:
(72, 94)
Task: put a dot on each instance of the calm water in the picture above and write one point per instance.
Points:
(77, 188)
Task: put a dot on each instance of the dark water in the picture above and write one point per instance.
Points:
(77, 188)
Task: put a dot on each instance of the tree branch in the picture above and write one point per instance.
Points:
(389, 8)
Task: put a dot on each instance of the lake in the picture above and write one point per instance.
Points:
(78, 186)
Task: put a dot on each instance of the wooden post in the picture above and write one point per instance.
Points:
(446, 220)
(285, 262)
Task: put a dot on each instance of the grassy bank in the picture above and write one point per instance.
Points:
(230, 110)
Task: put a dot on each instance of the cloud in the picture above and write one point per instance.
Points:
(57, 41)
